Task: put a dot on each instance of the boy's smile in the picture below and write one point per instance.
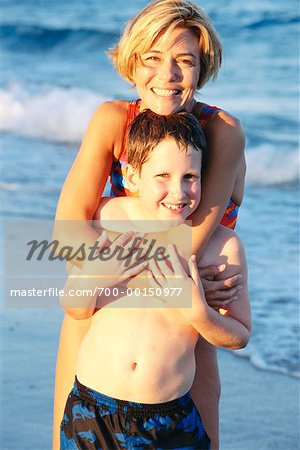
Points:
(169, 184)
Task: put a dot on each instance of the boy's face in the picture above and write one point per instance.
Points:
(169, 185)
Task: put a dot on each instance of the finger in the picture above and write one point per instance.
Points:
(211, 287)
(175, 261)
(223, 295)
(129, 262)
(152, 280)
(102, 242)
(219, 285)
(122, 240)
(91, 261)
(156, 272)
(165, 268)
(194, 269)
(209, 271)
(103, 237)
(128, 257)
(233, 281)
(221, 304)
(142, 246)
(111, 247)
(133, 271)
(133, 244)
(125, 245)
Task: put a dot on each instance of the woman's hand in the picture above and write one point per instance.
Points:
(219, 293)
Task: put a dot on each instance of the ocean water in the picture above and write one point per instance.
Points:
(54, 73)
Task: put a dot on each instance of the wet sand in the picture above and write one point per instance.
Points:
(259, 410)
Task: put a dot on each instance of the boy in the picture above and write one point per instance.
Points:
(136, 364)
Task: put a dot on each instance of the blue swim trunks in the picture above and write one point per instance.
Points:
(94, 421)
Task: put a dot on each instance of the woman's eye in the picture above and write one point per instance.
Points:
(163, 175)
(186, 62)
(191, 176)
(151, 59)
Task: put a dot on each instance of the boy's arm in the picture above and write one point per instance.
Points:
(79, 306)
(231, 330)
(206, 389)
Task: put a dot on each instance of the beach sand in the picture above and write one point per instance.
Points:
(259, 410)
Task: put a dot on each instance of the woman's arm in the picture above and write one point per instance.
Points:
(71, 336)
(86, 180)
(78, 201)
(222, 178)
(206, 389)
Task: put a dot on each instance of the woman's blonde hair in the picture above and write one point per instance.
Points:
(162, 17)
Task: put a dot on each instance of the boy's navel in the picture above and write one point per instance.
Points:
(133, 366)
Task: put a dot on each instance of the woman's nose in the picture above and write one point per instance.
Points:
(169, 71)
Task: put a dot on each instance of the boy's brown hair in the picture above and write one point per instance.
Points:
(149, 129)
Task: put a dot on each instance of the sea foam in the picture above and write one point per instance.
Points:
(267, 165)
(61, 115)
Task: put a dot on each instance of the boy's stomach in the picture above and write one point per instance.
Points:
(138, 354)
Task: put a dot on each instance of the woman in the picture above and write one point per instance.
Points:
(168, 51)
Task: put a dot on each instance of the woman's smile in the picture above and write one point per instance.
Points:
(166, 76)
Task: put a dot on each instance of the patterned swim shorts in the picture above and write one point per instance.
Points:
(94, 421)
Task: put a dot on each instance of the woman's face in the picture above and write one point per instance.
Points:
(167, 74)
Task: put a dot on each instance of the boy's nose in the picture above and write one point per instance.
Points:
(177, 190)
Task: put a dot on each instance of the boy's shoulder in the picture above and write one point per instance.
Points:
(114, 208)
(113, 213)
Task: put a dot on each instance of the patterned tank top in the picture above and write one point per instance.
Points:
(117, 178)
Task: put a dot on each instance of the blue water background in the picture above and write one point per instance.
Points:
(54, 73)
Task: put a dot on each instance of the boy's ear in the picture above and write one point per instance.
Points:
(132, 179)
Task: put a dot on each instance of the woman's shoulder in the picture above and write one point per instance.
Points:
(112, 110)
(220, 126)
(107, 125)
(215, 114)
